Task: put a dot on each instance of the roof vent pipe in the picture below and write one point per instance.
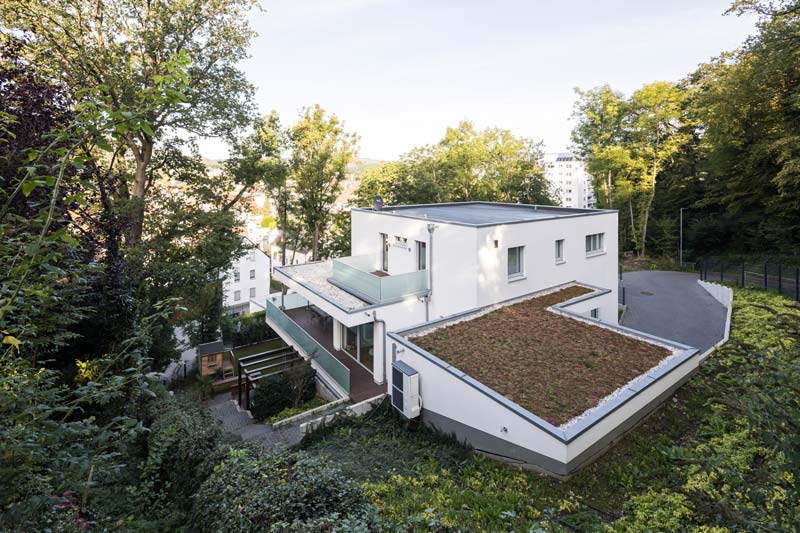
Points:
(377, 203)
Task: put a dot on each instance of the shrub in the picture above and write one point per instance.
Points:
(183, 445)
(251, 490)
(246, 329)
(288, 389)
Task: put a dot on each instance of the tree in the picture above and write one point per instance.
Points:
(320, 152)
(601, 113)
(125, 51)
(629, 142)
(489, 165)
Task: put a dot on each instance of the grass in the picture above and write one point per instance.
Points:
(691, 466)
(554, 366)
(289, 412)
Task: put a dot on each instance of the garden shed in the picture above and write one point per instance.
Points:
(210, 357)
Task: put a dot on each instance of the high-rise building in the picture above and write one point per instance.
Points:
(570, 181)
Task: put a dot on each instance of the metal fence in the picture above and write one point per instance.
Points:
(775, 276)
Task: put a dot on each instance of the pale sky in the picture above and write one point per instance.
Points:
(399, 72)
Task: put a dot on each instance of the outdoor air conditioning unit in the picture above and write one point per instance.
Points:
(405, 389)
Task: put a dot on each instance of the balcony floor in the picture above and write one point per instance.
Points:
(362, 387)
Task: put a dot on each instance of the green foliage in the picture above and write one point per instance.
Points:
(721, 456)
(182, 448)
(289, 412)
(251, 490)
(288, 389)
(246, 329)
(320, 152)
(491, 165)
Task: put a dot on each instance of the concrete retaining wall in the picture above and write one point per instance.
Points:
(723, 295)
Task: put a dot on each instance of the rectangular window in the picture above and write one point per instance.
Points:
(594, 243)
(560, 251)
(595, 313)
(384, 252)
(422, 258)
(252, 273)
(236, 275)
(252, 292)
(515, 261)
(251, 255)
(237, 295)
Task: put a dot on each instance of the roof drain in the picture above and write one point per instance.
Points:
(431, 228)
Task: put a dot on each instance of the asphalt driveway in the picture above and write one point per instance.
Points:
(672, 305)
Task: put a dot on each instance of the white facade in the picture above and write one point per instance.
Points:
(567, 175)
(246, 284)
(466, 264)
(419, 267)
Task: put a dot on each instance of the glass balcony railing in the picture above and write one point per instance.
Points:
(314, 350)
(356, 275)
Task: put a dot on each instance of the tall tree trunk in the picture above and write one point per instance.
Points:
(142, 157)
(284, 225)
(315, 242)
(633, 220)
(609, 202)
(647, 206)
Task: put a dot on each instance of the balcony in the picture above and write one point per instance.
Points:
(360, 276)
(314, 338)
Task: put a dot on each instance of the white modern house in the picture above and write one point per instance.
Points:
(422, 268)
(246, 285)
(569, 179)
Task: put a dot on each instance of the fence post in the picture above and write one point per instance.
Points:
(742, 274)
(780, 278)
(797, 284)
(620, 272)
(766, 285)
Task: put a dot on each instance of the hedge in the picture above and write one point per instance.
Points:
(252, 490)
(185, 442)
(246, 329)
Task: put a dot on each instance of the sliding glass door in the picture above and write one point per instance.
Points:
(359, 344)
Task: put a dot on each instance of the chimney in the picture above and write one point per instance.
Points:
(377, 203)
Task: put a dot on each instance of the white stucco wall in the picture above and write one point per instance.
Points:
(454, 259)
(540, 266)
(445, 394)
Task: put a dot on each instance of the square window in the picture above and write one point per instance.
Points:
(595, 313)
(594, 243)
(252, 292)
(515, 261)
(559, 250)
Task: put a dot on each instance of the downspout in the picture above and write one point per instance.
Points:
(383, 343)
(431, 228)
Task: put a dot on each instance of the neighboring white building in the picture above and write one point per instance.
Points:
(293, 257)
(567, 174)
(246, 284)
(414, 267)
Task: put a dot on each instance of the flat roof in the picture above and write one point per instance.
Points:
(484, 213)
(561, 370)
(314, 277)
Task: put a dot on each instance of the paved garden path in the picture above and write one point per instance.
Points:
(238, 422)
(672, 305)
